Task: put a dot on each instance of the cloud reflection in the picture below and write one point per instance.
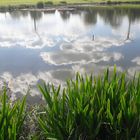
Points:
(83, 51)
(136, 60)
(22, 82)
(134, 71)
(64, 41)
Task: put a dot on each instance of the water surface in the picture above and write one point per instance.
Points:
(53, 46)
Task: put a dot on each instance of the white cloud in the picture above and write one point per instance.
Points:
(84, 50)
(134, 70)
(136, 60)
(23, 82)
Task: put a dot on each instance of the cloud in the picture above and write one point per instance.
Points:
(93, 68)
(72, 50)
(136, 60)
(134, 70)
(20, 83)
(23, 82)
(48, 32)
(83, 51)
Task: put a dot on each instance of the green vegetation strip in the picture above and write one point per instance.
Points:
(30, 2)
(93, 108)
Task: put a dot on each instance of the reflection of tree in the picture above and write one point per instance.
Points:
(18, 14)
(65, 15)
(112, 17)
(90, 17)
(129, 28)
(15, 14)
(36, 15)
(133, 15)
(5, 15)
(24, 13)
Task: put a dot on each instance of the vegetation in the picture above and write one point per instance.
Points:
(33, 2)
(49, 3)
(11, 117)
(40, 5)
(101, 108)
(92, 108)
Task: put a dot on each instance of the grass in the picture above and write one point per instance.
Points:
(88, 108)
(11, 117)
(32, 2)
(91, 108)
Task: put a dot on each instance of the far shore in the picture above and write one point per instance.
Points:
(69, 6)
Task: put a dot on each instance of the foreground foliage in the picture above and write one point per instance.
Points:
(91, 108)
(11, 117)
(87, 108)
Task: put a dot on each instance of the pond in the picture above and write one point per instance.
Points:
(54, 45)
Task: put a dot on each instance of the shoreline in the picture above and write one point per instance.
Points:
(68, 7)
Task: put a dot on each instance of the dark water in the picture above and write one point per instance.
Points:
(52, 46)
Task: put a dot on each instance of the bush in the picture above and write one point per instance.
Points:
(91, 108)
(109, 2)
(49, 3)
(11, 118)
(40, 5)
(63, 2)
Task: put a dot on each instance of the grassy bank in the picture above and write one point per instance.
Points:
(10, 5)
(55, 2)
(89, 108)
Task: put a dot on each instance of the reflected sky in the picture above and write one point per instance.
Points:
(37, 46)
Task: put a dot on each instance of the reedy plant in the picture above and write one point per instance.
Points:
(103, 108)
(11, 117)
